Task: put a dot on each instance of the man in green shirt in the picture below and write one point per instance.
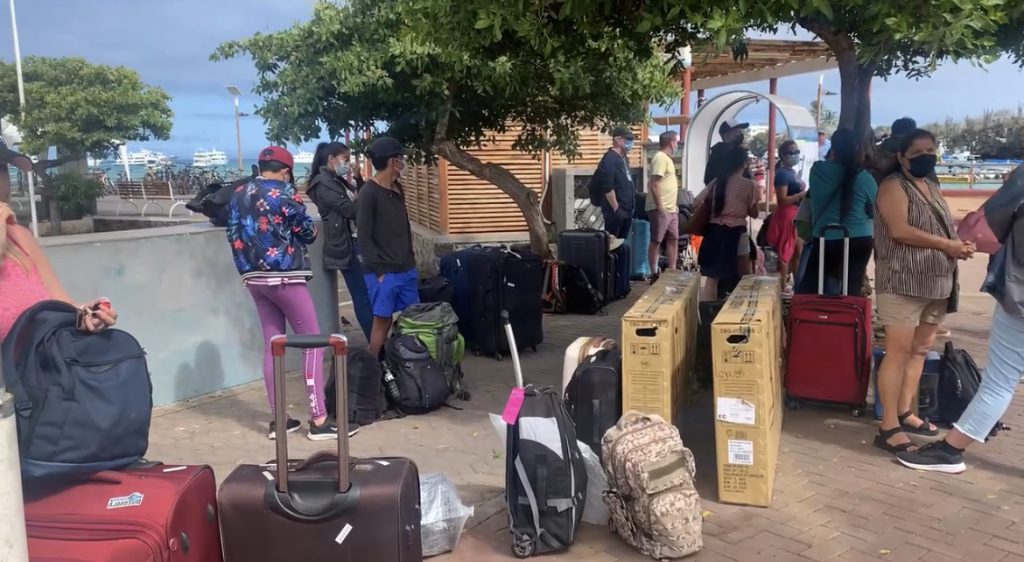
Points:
(661, 207)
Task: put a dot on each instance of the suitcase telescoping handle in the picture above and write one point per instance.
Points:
(339, 365)
(846, 258)
(513, 350)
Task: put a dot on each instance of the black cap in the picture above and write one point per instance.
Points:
(385, 147)
(622, 132)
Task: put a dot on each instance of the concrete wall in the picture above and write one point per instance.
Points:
(177, 291)
(430, 246)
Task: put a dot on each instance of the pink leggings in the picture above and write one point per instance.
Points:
(291, 302)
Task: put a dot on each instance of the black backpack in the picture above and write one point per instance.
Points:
(580, 295)
(83, 401)
(212, 201)
(959, 379)
(365, 389)
(422, 385)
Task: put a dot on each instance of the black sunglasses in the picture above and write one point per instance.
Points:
(797, 153)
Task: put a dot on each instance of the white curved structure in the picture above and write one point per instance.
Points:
(702, 132)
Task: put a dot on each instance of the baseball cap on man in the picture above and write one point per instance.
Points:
(277, 154)
(385, 147)
(622, 132)
(730, 125)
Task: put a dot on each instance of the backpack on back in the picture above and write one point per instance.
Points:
(83, 401)
(651, 494)
(366, 402)
(422, 386)
(212, 201)
(437, 327)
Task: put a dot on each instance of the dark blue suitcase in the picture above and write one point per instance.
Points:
(454, 269)
(620, 266)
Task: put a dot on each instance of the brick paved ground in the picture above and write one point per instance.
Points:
(837, 498)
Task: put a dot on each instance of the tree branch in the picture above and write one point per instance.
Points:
(60, 161)
(441, 132)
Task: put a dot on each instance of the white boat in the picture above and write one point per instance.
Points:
(142, 158)
(208, 158)
(304, 157)
(93, 162)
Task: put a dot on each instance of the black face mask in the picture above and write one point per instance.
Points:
(923, 165)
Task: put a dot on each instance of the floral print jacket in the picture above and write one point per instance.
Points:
(268, 230)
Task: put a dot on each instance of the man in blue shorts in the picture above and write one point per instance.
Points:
(385, 240)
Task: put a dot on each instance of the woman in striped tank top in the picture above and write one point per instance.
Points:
(916, 250)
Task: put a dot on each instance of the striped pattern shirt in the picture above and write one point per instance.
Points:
(913, 271)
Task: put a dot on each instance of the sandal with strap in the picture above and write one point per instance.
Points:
(883, 437)
(922, 429)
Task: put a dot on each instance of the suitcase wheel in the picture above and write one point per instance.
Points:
(792, 404)
(534, 349)
(498, 357)
(523, 546)
(857, 412)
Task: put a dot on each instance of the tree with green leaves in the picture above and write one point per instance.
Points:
(828, 121)
(442, 76)
(80, 108)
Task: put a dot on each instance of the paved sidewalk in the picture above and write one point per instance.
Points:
(837, 497)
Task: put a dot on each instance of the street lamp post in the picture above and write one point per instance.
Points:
(21, 99)
(236, 93)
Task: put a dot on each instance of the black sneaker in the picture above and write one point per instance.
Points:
(934, 457)
(291, 427)
(328, 430)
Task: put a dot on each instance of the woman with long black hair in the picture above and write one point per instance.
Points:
(334, 196)
(842, 192)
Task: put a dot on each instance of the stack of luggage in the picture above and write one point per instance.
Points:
(606, 263)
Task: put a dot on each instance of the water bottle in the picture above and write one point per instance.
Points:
(391, 385)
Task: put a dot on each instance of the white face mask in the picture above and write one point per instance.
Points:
(342, 168)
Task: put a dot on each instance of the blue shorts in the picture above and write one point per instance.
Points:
(393, 293)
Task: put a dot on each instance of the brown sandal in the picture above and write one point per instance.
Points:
(883, 437)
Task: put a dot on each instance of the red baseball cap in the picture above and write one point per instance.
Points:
(277, 154)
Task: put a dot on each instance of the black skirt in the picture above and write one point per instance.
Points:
(719, 251)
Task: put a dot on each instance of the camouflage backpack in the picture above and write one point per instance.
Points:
(651, 495)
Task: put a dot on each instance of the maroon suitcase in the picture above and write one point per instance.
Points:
(320, 509)
(828, 356)
(158, 513)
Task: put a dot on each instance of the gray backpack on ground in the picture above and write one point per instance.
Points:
(651, 495)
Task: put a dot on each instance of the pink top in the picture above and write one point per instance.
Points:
(20, 289)
(740, 195)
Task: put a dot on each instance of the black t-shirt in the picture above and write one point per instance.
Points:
(715, 158)
(613, 174)
(385, 236)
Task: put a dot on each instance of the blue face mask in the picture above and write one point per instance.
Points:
(629, 144)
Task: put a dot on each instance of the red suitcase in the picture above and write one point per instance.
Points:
(159, 513)
(319, 509)
(828, 356)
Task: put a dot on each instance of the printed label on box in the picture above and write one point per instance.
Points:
(736, 410)
(741, 452)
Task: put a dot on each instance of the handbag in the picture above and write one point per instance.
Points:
(701, 216)
(974, 228)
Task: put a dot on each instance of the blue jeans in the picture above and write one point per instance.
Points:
(1001, 377)
(360, 296)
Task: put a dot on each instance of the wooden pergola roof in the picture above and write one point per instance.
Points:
(767, 58)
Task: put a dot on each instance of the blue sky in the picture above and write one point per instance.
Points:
(169, 43)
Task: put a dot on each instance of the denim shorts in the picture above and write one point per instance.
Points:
(392, 293)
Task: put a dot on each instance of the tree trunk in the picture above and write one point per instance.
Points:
(47, 192)
(525, 198)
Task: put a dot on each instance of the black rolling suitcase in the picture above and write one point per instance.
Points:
(504, 280)
(588, 250)
(620, 268)
(703, 368)
(593, 396)
(545, 476)
(328, 506)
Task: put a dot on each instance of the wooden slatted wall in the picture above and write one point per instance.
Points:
(423, 189)
(476, 206)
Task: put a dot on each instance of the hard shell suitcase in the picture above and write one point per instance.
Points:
(829, 349)
(578, 351)
(545, 475)
(594, 396)
(147, 513)
(504, 280)
(454, 269)
(703, 368)
(639, 240)
(619, 284)
(319, 508)
(588, 250)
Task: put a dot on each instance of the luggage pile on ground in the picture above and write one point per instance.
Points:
(592, 270)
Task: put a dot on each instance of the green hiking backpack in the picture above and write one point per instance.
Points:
(437, 326)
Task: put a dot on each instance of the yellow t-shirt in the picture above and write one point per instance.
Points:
(668, 187)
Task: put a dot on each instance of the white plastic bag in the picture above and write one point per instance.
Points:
(594, 510)
(443, 515)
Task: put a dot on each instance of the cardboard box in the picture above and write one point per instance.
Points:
(658, 342)
(746, 343)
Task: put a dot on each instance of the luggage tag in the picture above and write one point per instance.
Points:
(514, 404)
